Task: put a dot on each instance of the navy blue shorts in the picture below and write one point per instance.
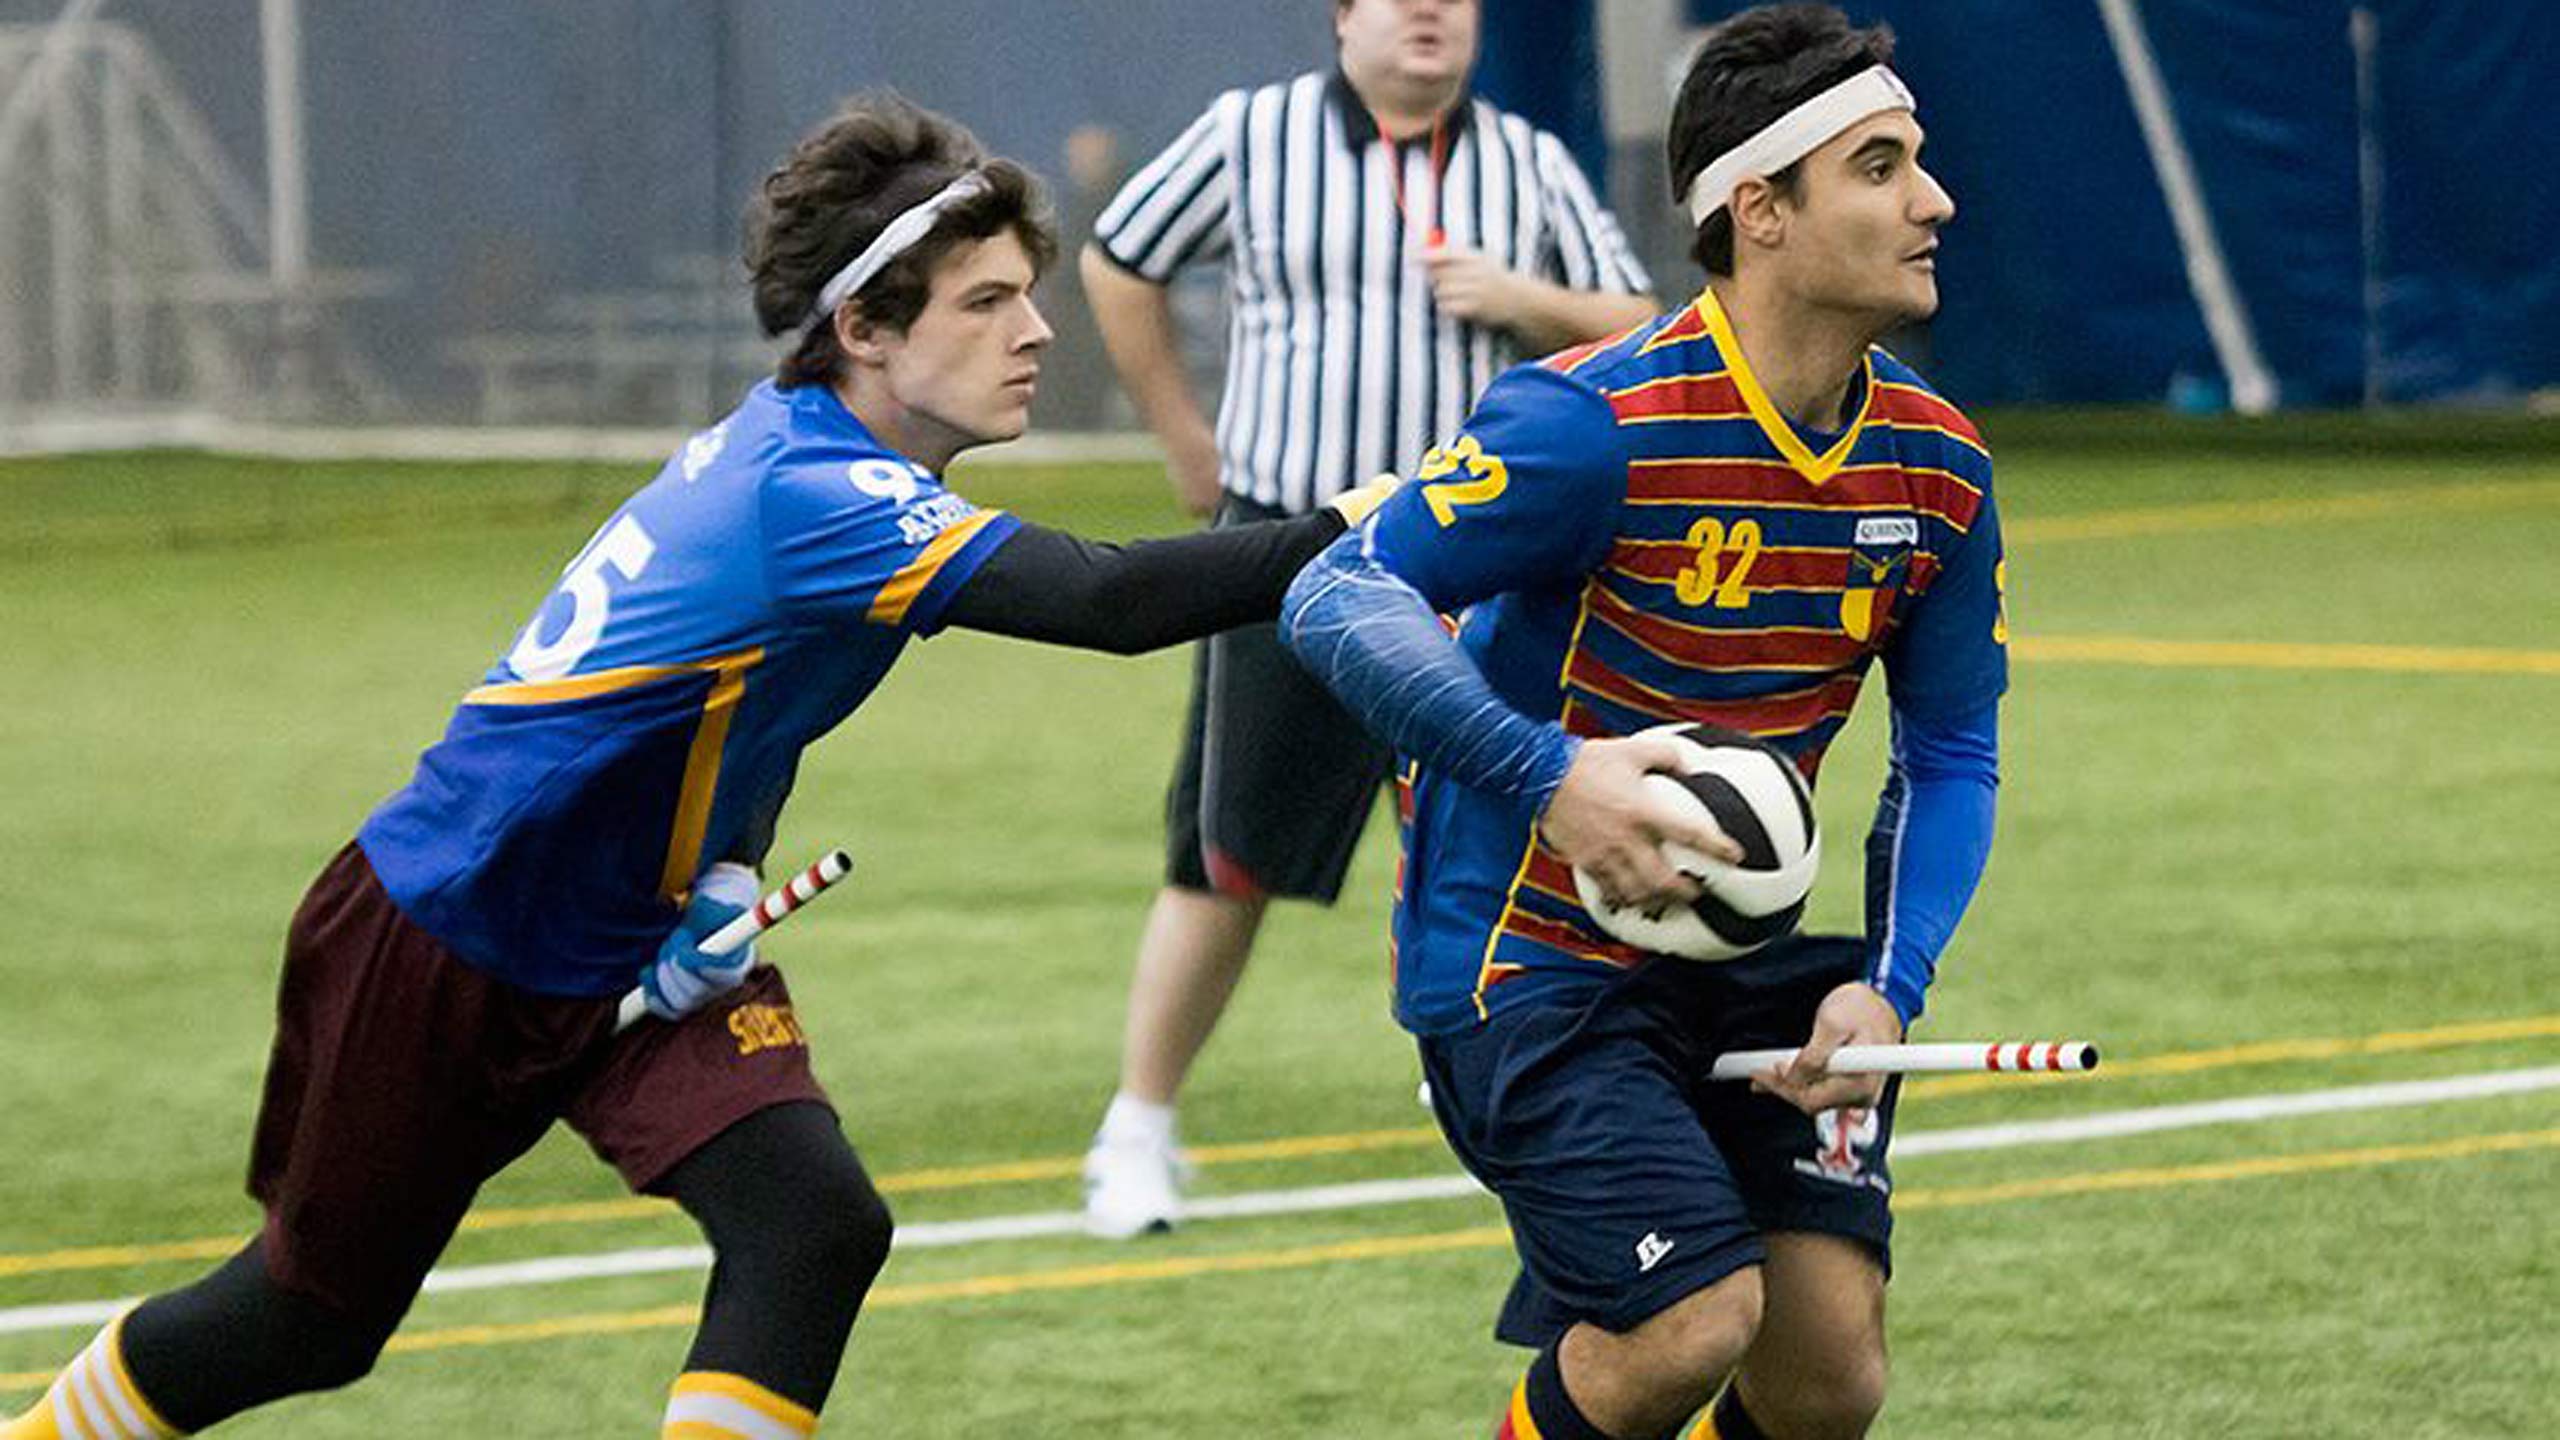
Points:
(1631, 1180)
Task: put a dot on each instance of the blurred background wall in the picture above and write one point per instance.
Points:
(508, 214)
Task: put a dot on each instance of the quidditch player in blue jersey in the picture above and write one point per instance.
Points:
(598, 801)
(1727, 515)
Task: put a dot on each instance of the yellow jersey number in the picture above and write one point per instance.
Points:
(1708, 576)
(1486, 478)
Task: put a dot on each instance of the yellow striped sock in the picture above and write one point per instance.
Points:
(1517, 1422)
(92, 1399)
(1704, 1427)
(706, 1405)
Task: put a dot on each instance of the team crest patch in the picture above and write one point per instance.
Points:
(1842, 1139)
(1879, 558)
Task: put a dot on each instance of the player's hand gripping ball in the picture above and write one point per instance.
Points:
(1757, 796)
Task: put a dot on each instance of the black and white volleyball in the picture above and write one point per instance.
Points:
(1756, 795)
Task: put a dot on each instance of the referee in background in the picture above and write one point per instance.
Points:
(1391, 243)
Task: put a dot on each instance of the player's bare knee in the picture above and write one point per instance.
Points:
(1837, 1401)
(1681, 1355)
(1718, 1328)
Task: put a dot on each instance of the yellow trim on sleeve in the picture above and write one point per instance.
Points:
(1816, 468)
(898, 595)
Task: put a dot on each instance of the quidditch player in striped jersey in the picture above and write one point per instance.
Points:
(1729, 514)
(451, 980)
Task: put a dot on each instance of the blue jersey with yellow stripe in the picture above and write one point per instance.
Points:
(650, 716)
(1631, 534)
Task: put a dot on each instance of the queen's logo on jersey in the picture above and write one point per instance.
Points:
(1879, 558)
(1842, 1139)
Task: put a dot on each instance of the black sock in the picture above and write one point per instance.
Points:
(1550, 1409)
(1732, 1422)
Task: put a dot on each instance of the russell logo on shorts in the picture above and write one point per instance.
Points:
(1651, 1249)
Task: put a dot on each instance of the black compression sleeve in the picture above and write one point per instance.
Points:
(1044, 584)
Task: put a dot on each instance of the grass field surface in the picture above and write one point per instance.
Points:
(2282, 766)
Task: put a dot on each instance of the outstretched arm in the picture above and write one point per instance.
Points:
(1375, 642)
(1049, 585)
(1066, 590)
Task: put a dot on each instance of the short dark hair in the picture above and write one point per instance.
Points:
(1747, 72)
(878, 156)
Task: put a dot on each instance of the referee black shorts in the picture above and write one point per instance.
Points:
(1276, 779)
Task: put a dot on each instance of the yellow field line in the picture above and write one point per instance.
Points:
(2221, 514)
(2273, 655)
(2484, 1032)
(1482, 1237)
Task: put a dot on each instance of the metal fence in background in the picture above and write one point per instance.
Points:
(493, 214)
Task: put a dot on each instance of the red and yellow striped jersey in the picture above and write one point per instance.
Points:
(1632, 534)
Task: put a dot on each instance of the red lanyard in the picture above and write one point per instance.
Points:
(1436, 237)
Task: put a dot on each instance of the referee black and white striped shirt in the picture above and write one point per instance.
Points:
(1339, 365)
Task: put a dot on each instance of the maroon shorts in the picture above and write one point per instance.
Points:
(402, 1078)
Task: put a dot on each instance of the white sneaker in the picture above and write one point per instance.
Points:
(1132, 1188)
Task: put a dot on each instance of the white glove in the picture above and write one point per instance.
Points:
(684, 978)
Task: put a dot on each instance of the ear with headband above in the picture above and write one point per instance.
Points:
(1796, 134)
(896, 238)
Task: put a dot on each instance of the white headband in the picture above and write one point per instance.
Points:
(1796, 134)
(894, 240)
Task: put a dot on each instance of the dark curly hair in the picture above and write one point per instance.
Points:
(878, 156)
(1747, 72)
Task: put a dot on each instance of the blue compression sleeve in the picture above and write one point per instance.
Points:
(1374, 641)
(1931, 837)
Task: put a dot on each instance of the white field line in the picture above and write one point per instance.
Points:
(936, 1235)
